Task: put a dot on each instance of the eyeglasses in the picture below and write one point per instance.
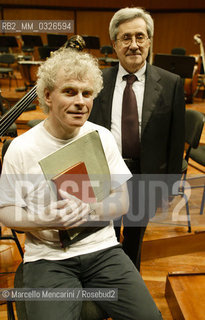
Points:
(127, 39)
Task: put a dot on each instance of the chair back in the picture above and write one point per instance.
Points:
(7, 58)
(198, 155)
(194, 122)
(44, 52)
(179, 51)
(4, 49)
(106, 50)
(4, 148)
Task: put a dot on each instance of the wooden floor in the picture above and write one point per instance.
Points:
(167, 246)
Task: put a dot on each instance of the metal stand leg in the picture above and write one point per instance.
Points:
(10, 311)
(202, 202)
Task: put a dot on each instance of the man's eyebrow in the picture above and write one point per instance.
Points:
(66, 86)
(71, 86)
(126, 34)
(88, 89)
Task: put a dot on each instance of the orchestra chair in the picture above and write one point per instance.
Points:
(4, 49)
(200, 85)
(5, 146)
(32, 123)
(6, 71)
(198, 155)
(106, 50)
(90, 310)
(27, 49)
(13, 235)
(28, 71)
(178, 51)
(4, 107)
(194, 123)
(91, 42)
(30, 42)
(45, 51)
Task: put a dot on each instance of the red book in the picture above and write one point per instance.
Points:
(75, 180)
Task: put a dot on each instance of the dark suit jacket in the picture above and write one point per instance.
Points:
(162, 138)
(163, 112)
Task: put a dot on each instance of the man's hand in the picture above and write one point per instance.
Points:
(67, 213)
(64, 214)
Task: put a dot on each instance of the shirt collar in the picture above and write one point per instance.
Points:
(140, 74)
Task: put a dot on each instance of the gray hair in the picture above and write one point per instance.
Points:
(78, 65)
(127, 14)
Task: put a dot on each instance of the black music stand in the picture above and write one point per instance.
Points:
(91, 42)
(179, 64)
(31, 41)
(56, 40)
(8, 41)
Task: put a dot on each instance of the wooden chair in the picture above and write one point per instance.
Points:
(194, 123)
(198, 155)
(6, 71)
(13, 235)
(179, 51)
(106, 50)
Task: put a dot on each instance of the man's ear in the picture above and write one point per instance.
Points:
(47, 97)
(113, 44)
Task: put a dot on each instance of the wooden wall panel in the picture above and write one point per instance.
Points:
(32, 13)
(94, 23)
(177, 30)
(149, 4)
(172, 29)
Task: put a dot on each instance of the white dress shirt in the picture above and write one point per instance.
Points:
(138, 87)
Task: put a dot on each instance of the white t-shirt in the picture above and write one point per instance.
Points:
(22, 159)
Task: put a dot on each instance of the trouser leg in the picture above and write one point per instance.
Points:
(49, 274)
(136, 220)
(108, 269)
(117, 226)
(132, 243)
(111, 269)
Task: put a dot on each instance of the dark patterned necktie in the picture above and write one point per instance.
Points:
(130, 121)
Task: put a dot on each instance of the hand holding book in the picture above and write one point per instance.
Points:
(84, 161)
(63, 214)
(85, 210)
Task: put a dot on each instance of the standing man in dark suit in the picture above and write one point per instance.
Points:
(161, 108)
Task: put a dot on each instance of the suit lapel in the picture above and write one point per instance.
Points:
(151, 95)
(109, 79)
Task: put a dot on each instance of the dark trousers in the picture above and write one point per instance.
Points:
(134, 229)
(110, 268)
(132, 242)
